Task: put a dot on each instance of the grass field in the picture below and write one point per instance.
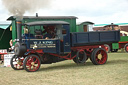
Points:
(114, 72)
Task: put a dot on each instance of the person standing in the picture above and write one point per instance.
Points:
(12, 47)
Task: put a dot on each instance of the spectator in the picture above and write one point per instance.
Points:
(12, 47)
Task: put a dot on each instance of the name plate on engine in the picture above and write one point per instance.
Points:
(43, 44)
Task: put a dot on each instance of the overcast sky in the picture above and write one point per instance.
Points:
(97, 11)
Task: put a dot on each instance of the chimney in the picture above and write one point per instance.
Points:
(36, 14)
(112, 26)
(19, 30)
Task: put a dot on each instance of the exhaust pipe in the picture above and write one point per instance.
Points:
(19, 30)
(20, 48)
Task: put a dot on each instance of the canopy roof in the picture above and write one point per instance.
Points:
(46, 23)
(4, 24)
(88, 22)
(44, 17)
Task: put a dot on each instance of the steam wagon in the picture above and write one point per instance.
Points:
(123, 43)
(46, 42)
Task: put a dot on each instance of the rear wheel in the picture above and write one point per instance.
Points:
(32, 63)
(17, 62)
(99, 56)
(81, 57)
(126, 47)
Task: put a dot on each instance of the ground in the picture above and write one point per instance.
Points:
(114, 72)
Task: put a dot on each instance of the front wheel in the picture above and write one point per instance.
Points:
(32, 63)
(17, 62)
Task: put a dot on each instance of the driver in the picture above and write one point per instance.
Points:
(25, 30)
(49, 30)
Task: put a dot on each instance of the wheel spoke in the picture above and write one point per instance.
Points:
(29, 67)
(32, 59)
(34, 67)
(16, 65)
(100, 61)
(36, 61)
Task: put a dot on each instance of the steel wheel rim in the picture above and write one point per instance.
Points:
(127, 48)
(103, 56)
(17, 63)
(32, 63)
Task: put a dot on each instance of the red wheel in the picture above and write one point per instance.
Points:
(17, 62)
(107, 48)
(99, 56)
(126, 47)
(32, 63)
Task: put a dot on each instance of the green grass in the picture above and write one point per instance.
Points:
(114, 72)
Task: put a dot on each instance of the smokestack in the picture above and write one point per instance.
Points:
(112, 26)
(36, 14)
(19, 30)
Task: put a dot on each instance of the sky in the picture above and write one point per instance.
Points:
(96, 11)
